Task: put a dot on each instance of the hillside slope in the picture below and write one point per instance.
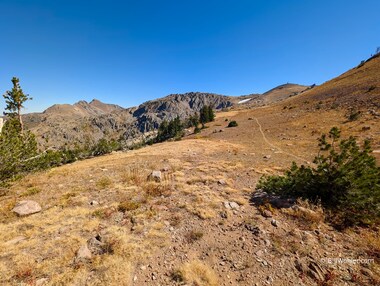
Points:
(103, 222)
(282, 92)
(360, 87)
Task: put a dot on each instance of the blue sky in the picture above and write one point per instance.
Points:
(127, 52)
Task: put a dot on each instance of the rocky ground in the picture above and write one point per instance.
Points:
(186, 213)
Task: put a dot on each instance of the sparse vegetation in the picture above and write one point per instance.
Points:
(30, 192)
(128, 206)
(371, 88)
(193, 236)
(346, 180)
(197, 273)
(104, 182)
(104, 147)
(353, 115)
(232, 123)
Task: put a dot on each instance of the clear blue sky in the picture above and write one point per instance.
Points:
(127, 52)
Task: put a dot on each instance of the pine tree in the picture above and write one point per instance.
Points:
(17, 147)
(194, 120)
(346, 180)
(211, 114)
(15, 150)
(171, 129)
(14, 100)
(204, 115)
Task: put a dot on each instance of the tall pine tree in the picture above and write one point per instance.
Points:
(16, 145)
(14, 100)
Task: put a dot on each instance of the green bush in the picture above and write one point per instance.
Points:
(345, 180)
(232, 123)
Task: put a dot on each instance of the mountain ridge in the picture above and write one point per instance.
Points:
(62, 124)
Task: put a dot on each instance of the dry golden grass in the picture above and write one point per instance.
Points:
(310, 215)
(135, 175)
(189, 186)
(370, 240)
(198, 273)
(193, 236)
(104, 183)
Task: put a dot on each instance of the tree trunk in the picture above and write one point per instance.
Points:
(20, 119)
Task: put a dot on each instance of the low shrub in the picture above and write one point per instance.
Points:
(232, 123)
(128, 206)
(345, 180)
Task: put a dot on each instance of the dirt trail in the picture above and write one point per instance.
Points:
(275, 147)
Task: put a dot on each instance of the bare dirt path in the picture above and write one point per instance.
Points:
(275, 147)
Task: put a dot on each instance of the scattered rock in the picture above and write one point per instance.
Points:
(301, 266)
(267, 156)
(367, 272)
(41, 281)
(234, 206)
(15, 240)
(155, 176)
(365, 128)
(267, 213)
(316, 271)
(222, 182)
(95, 245)
(223, 214)
(260, 197)
(83, 254)
(311, 268)
(94, 203)
(27, 207)
(254, 229)
(231, 205)
(274, 222)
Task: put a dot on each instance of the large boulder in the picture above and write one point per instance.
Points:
(27, 207)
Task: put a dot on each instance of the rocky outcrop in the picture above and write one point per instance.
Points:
(65, 124)
(83, 122)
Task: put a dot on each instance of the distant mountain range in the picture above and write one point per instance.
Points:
(65, 124)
